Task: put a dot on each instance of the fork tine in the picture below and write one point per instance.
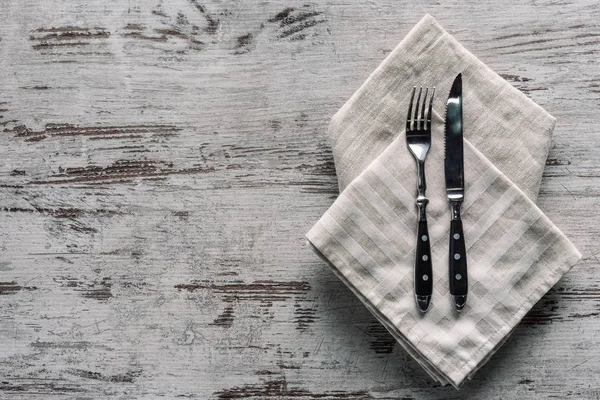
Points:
(430, 108)
(423, 109)
(409, 115)
(417, 124)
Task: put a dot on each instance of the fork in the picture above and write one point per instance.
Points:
(418, 139)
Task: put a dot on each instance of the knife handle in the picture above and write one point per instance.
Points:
(457, 260)
(423, 273)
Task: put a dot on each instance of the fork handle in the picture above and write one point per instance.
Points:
(423, 270)
(423, 281)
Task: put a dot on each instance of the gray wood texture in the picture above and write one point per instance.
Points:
(161, 161)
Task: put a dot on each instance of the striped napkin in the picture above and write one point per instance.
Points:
(368, 236)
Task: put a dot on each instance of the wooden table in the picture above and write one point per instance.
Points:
(161, 162)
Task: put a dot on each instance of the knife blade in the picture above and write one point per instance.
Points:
(455, 188)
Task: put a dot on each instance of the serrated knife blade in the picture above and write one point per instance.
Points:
(453, 161)
(455, 188)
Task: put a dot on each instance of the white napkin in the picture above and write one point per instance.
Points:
(515, 253)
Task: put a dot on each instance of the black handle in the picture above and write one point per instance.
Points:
(423, 277)
(458, 259)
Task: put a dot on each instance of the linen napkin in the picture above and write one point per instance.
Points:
(368, 236)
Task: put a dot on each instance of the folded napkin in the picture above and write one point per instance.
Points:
(368, 236)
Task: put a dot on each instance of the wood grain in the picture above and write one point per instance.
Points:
(162, 161)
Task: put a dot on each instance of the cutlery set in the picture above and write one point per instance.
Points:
(418, 140)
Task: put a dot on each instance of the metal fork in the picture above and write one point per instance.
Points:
(418, 139)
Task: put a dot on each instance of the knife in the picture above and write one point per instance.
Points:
(455, 189)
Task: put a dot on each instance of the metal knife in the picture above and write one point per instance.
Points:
(455, 190)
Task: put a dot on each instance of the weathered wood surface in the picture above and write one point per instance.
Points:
(161, 162)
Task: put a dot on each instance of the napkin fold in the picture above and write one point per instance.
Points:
(368, 235)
